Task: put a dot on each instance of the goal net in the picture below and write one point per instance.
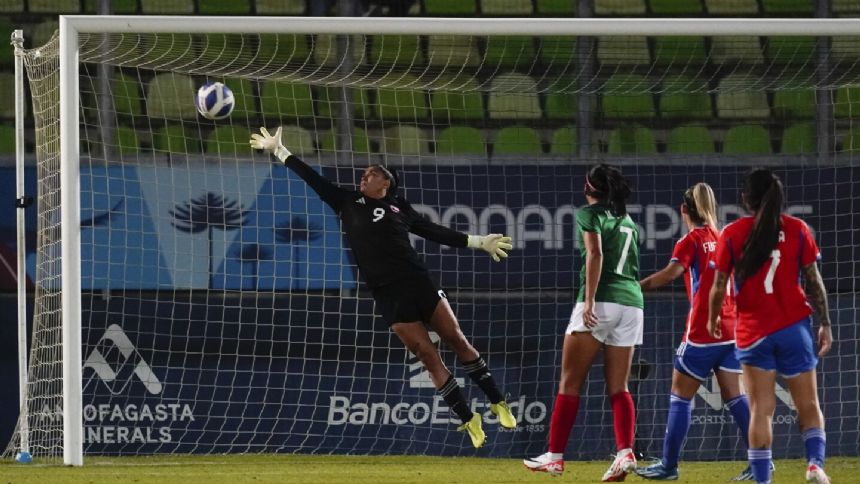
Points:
(220, 308)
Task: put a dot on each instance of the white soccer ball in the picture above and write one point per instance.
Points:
(215, 100)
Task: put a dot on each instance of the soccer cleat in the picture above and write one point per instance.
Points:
(747, 474)
(624, 463)
(545, 463)
(473, 428)
(816, 475)
(657, 472)
(503, 411)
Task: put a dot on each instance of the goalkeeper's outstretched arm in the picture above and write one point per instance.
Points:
(496, 245)
(271, 143)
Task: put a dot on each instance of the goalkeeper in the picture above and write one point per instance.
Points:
(377, 224)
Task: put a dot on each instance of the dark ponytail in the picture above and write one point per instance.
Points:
(763, 194)
(608, 185)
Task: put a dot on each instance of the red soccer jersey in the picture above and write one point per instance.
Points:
(771, 299)
(696, 251)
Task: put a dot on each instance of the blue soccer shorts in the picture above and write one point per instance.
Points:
(700, 362)
(789, 351)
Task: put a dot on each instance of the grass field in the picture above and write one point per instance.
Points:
(307, 469)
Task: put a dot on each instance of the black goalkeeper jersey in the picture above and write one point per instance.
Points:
(378, 230)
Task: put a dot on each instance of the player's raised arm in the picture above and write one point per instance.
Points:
(271, 143)
(496, 245)
(662, 277)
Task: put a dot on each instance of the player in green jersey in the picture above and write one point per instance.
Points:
(607, 315)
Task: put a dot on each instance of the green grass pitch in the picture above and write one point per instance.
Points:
(306, 469)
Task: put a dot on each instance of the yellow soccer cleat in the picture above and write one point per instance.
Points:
(503, 411)
(473, 428)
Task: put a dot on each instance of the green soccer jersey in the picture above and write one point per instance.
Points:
(619, 238)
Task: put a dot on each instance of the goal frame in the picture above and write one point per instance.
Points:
(72, 26)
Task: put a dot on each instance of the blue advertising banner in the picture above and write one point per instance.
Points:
(278, 357)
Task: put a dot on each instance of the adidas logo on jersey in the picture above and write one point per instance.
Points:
(361, 201)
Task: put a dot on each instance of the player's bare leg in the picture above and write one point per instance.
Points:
(446, 325)
(804, 394)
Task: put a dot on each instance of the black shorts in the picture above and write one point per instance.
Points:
(408, 301)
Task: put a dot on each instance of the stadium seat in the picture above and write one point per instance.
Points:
(223, 49)
(791, 50)
(7, 103)
(232, 140)
(517, 140)
(513, 96)
(778, 7)
(563, 141)
(55, 6)
(42, 33)
(731, 7)
(327, 105)
(558, 51)
(360, 141)
(453, 50)
(746, 140)
(845, 49)
(325, 50)
(399, 50)
(627, 96)
(847, 102)
(220, 7)
(680, 51)
(510, 51)
(176, 138)
(403, 102)
(676, 7)
(506, 7)
(299, 140)
(7, 53)
(286, 100)
(405, 140)
(632, 140)
(283, 48)
(460, 140)
(449, 7)
(631, 50)
(799, 139)
(564, 8)
(737, 98)
(852, 141)
(127, 99)
(561, 105)
(127, 141)
(456, 98)
(685, 98)
(281, 7)
(794, 104)
(116, 6)
(167, 7)
(12, 6)
(7, 139)
(736, 49)
(690, 140)
(619, 7)
(171, 96)
(243, 93)
(845, 6)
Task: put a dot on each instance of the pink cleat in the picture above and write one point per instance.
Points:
(545, 463)
(624, 463)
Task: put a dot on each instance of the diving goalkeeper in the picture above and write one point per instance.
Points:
(377, 224)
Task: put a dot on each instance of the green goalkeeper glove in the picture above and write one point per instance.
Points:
(493, 244)
(270, 143)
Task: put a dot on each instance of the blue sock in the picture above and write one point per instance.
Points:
(676, 430)
(740, 408)
(760, 464)
(815, 442)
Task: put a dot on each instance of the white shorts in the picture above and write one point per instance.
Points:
(618, 325)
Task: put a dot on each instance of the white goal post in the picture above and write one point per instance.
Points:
(70, 108)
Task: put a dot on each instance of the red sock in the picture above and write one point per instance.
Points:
(623, 419)
(561, 422)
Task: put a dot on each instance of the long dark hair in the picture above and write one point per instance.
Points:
(763, 194)
(608, 185)
(390, 174)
